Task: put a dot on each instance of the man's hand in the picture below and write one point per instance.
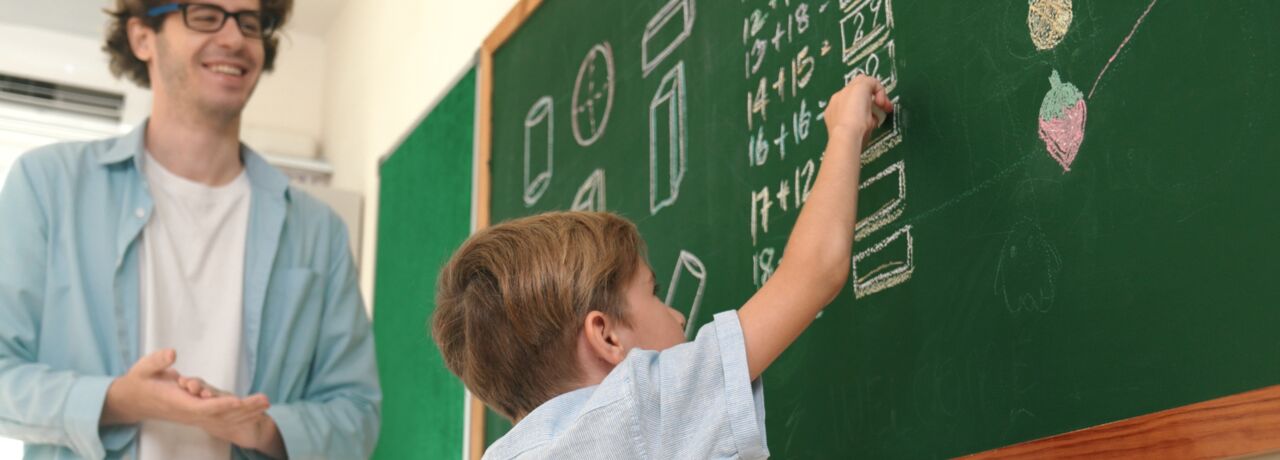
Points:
(256, 432)
(150, 390)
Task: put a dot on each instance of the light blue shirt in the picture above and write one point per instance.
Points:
(694, 400)
(71, 218)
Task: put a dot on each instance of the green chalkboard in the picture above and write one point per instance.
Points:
(1070, 220)
(424, 214)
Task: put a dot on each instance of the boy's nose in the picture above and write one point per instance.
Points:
(679, 316)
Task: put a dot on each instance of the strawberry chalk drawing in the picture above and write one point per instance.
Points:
(1062, 118)
(1048, 21)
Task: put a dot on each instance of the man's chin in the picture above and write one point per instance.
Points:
(224, 109)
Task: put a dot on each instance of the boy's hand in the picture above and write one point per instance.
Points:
(849, 115)
(816, 265)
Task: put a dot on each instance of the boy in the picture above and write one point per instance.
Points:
(553, 321)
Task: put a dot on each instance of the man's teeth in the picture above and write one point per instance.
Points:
(226, 69)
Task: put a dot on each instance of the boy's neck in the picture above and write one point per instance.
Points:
(592, 369)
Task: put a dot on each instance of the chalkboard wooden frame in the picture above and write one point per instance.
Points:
(484, 133)
(1243, 424)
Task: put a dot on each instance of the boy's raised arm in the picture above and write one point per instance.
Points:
(815, 264)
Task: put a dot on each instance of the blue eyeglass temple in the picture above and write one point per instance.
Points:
(163, 9)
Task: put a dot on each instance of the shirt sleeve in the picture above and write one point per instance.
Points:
(697, 400)
(338, 416)
(41, 405)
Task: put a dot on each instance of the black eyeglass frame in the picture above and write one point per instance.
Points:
(266, 22)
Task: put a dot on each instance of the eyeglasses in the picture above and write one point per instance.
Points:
(203, 17)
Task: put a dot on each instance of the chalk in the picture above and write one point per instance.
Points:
(879, 114)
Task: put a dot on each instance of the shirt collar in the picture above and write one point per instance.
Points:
(261, 175)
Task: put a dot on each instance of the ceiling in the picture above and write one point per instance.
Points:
(85, 17)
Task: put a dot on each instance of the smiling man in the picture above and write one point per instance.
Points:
(166, 294)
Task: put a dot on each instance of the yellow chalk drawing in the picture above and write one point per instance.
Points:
(1048, 21)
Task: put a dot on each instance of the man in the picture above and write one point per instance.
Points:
(166, 294)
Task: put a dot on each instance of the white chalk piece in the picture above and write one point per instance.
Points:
(879, 114)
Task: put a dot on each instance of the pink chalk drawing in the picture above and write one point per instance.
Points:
(1062, 119)
(1132, 31)
(1064, 112)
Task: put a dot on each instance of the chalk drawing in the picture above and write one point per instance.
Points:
(667, 154)
(1048, 21)
(679, 12)
(881, 63)
(761, 202)
(1122, 45)
(1027, 270)
(885, 137)
(539, 129)
(1062, 119)
(886, 273)
(591, 195)
(693, 273)
(593, 94)
(763, 264)
(865, 28)
(889, 211)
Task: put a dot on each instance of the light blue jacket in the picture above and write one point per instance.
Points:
(71, 218)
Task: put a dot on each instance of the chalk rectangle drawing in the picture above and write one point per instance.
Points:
(539, 129)
(880, 63)
(688, 283)
(893, 178)
(664, 32)
(865, 27)
(885, 137)
(668, 140)
(591, 195)
(888, 263)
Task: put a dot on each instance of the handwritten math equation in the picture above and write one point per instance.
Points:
(792, 50)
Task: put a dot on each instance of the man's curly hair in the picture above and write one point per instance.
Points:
(125, 64)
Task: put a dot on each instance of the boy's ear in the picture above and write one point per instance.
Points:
(604, 338)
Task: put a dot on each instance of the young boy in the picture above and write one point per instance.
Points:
(553, 321)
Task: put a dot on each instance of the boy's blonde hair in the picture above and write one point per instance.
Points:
(511, 302)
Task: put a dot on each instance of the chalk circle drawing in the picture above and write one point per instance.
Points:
(591, 195)
(1048, 21)
(1062, 119)
(659, 40)
(688, 283)
(891, 262)
(1027, 270)
(667, 140)
(891, 210)
(539, 126)
(593, 95)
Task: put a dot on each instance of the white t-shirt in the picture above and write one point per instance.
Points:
(192, 285)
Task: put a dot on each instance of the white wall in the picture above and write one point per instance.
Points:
(387, 61)
(43, 54)
(289, 102)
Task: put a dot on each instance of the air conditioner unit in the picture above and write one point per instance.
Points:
(39, 112)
